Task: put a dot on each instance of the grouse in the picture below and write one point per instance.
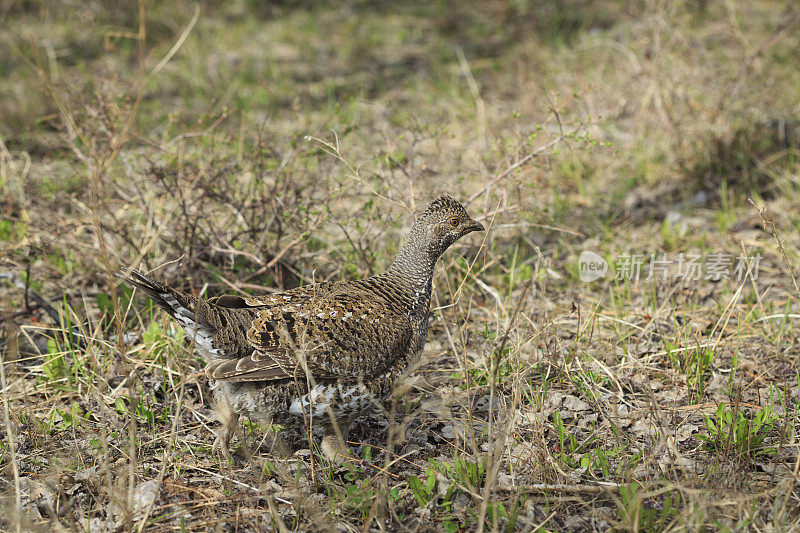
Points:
(320, 354)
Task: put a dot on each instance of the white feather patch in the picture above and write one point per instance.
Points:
(203, 340)
(320, 396)
(318, 399)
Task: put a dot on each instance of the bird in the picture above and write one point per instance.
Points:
(319, 355)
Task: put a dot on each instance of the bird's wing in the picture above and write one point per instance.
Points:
(351, 337)
(297, 294)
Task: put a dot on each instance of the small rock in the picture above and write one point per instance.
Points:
(447, 431)
(685, 431)
(506, 482)
(484, 403)
(573, 403)
(144, 494)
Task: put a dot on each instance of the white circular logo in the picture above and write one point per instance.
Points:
(591, 266)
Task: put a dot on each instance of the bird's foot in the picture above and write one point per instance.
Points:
(334, 448)
(230, 426)
(220, 447)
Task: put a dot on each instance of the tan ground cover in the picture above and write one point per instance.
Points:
(249, 148)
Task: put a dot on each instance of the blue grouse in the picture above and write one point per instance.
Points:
(319, 354)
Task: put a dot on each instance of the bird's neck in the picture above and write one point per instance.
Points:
(413, 268)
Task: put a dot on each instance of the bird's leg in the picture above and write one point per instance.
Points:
(230, 425)
(223, 440)
(245, 447)
(334, 443)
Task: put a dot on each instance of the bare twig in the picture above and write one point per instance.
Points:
(521, 162)
(12, 448)
(769, 223)
(735, 85)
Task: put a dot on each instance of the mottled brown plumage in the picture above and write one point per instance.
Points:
(321, 353)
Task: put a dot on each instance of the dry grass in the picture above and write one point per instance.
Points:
(251, 148)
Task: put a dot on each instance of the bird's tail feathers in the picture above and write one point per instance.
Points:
(173, 302)
(180, 306)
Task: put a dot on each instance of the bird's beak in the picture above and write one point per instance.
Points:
(475, 226)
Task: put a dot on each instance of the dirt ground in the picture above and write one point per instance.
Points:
(617, 351)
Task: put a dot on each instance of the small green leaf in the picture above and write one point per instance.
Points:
(119, 404)
(418, 490)
(710, 426)
(431, 481)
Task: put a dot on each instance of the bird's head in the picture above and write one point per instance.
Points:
(443, 223)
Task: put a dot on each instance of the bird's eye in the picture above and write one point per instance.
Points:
(454, 222)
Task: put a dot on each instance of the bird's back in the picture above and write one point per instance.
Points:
(343, 331)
